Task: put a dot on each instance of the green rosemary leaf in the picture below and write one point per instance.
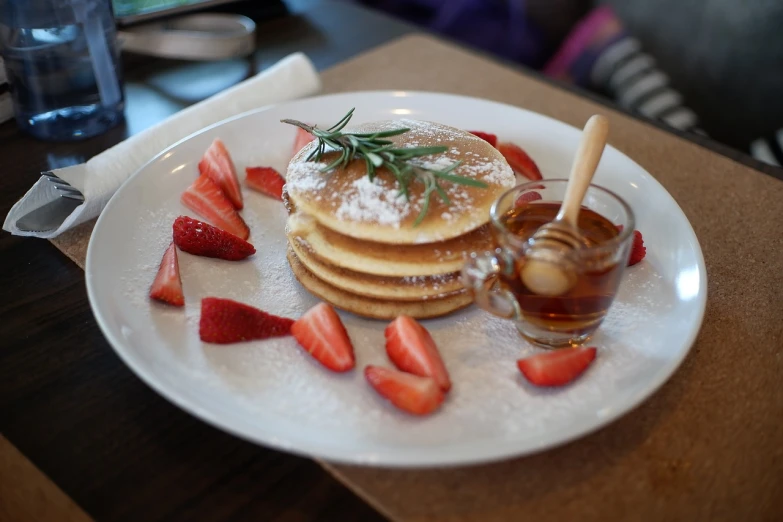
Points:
(379, 152)
(425, 207)
(448, 169)
(333, 164)
(375, 159)
(342, 123)
(443, 195)
(370, 168)
(461, 180)
(382, 134)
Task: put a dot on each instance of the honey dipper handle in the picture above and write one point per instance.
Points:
(585, 162)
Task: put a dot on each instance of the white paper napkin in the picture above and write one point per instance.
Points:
(99, 178)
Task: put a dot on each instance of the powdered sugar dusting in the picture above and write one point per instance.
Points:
(273, 382)
(369, 201)
(306, 176)
(434, 279)
(380, 201)
(273, 392)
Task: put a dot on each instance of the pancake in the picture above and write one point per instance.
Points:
(378, 287)
(375, 308)
(383, 259)
(346, 201)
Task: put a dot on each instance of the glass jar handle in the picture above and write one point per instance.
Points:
(481, 276)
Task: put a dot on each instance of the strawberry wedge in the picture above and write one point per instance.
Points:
(202, 239)
(410, 347)
(557, 367)
(206, 199)
(519, 161)
(408, 392)
(492, 139)
(224, 321)
(265, 180)
(301, 139)
(527, 197)
(638, 250)
(167, 286)
(217, 164)
(321, 332)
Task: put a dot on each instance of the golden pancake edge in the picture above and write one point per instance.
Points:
(375, 308)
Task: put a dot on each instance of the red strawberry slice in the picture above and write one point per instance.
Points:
(167, 286)
(557, 367)
(265, 180)
(217, 164)
(638, 250)
(410, 347)
(519, 161)
(321, 332)
(492, 139)
(527, 197)
(224, 321)
(302, 138)
(202, 239)
(408, 392)
(205, 198)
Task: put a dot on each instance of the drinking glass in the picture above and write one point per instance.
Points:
(62, 61)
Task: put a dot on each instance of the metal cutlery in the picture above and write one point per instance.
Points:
(51, 215)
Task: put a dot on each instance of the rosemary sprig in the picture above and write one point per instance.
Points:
(377, 151)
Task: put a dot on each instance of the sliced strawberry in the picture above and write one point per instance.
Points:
(557, 367)
(202, 239)
(167, 286)
(265, 180)
(224, 321)
(410, 347)
(302, 138)
(527, 197)
(492, 139)
(321, 332)
(217, 164)
(519, 161)
(411, 393)
(638, 250)
(206, 198)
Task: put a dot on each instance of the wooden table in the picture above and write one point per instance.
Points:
(106, 441)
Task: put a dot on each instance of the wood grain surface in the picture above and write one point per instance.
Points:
(26, 495)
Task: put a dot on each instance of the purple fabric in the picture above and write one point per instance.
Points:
(499, 27)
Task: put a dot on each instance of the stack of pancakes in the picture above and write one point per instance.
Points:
(354, 242)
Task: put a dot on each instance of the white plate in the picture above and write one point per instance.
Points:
(272, 393)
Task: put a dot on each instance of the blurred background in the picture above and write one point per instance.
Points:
(713, 67)
(719, 61)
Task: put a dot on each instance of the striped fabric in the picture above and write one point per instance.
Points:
(6, 105)
(633, 79)
(769, 149)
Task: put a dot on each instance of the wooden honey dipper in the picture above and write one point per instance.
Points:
(549, 270)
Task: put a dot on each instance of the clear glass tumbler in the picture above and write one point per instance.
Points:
(63, 66)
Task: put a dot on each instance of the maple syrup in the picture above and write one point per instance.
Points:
(582, 308)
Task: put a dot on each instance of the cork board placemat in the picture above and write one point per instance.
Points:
(709, 444)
